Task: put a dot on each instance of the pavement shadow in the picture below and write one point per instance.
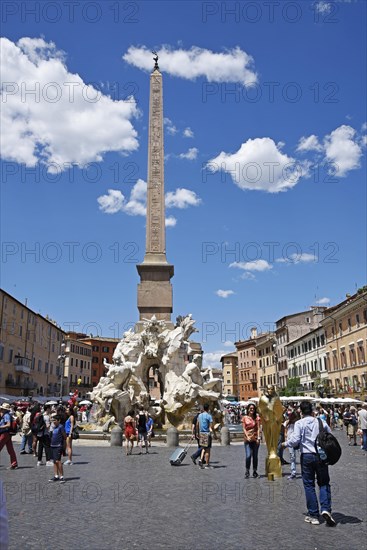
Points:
(67, 478)
(343, 519)
(79, 463)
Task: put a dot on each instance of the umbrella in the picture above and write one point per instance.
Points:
(51, 403)
(85, 402)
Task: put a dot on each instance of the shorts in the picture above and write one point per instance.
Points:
(142, 435)
(56, 454)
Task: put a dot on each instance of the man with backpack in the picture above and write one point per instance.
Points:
(5, 437)
(306, 432)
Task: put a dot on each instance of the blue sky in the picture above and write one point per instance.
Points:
(265, 159)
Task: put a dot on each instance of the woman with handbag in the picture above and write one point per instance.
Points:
(251, 433)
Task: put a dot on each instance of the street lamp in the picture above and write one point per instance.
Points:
(61, 359)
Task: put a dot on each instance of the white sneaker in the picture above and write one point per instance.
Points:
(68, 462)
(312, 520)
(40, 463)
(49, 463)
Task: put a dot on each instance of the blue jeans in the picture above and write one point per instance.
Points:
(312, 468)
(364, 439)
(26, 440)
(251, 450)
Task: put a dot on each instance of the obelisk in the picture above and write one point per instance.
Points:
(155, 289)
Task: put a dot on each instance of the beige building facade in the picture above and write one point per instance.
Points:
(230, 374)
(247, 367)
(289, 328)
(345, 327)
(30, 345)
(267, 367)
(77, 365)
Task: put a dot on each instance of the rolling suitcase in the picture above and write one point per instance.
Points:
(178, 455)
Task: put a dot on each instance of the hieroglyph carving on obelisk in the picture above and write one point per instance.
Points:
(155, 239)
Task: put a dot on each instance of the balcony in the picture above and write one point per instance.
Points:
(20, 384)
(22, 364)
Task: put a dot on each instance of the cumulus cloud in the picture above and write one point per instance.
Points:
(343, 150)
(224, 293)
(310, 143)
(228, 344)
(170, 127)
(63, 121)
(182, 198)
(188, 133)
(115, 201)
(170, 221)
(260, 165)
(212, 359)
(248, 276)
(256, 265)
(230, 66)
(191, 154)
(112, 202)
(323, 301)
(302, 257)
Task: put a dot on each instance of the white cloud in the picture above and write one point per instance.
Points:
(260, 165)
(323, 301)
(231, 66)
(228, 344)
(310, 143)
(302, 257)
(115, 201)
(170, 221)
(191, 154)
(212, 359)
(364, 127)
(343, 150)
(323, 7)
(224, 293)
(65, 121)
(256, 265)
(188, 133)
(171, 128)
(248, 276)
(181, 198)
(364, 140)
(112, 202)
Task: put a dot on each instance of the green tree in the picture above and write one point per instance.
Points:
(291, 387)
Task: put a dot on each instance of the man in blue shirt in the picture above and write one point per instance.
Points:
(5, 437)
(205, 422)
(304, 435)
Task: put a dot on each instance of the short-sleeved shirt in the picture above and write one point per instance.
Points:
(57, 439)
(204, 420)
(252, 427)
(4, 420)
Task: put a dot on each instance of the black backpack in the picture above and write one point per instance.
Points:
(329, 450)
(38, 425)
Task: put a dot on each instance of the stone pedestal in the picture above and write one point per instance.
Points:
(116, 437)
(172, 437)
(273, 467)
(225, 436)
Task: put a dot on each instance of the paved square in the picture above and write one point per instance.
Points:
(118, 502)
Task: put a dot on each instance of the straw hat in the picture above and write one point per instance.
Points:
(5, 406)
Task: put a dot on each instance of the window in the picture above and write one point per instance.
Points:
(10, 358)
(1, 352)
(94, 360)
(51, 368)
(46, 367)
(95, 348)
(39, 365)
(357, 319)
(94, 371)
(105, 349)
(20, 330)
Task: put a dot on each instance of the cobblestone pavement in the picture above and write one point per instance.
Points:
(118, 502)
